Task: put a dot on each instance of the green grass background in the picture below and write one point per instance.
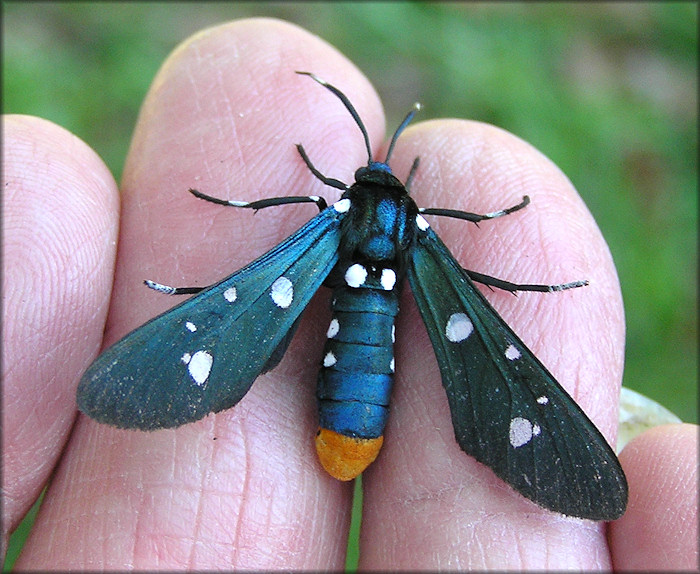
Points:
(607, 90)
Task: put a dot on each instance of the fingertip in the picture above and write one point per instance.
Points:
(660, 529)
(60, 216)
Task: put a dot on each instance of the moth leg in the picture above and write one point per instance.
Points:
(475, 217)
(263, 203)
(168, 290)
(331, 182)
(411, 174)
(514, 287)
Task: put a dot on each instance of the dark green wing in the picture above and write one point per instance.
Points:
(203, 355)
(508, 411)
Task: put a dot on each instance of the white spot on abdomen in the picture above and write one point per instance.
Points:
(522, 431)
(198, 365)
(333, 328)
(282, 292)
(329, 360)
(458, 327)
(230, 294)
(355, 275)
(388, 279)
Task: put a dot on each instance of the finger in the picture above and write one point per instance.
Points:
(60, 209)
(444, 506)
(241, 488)
(660, 529)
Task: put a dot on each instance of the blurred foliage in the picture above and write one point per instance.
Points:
(607, 90)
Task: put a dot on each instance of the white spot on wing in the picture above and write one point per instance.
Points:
(329, 360)
(458, 327)
(422, 223)
(512, 354)
(522, 431)
(393, 333)
(186, 358)
(191, 326)
(342, 205)
(333, 328)
(282, 292)
(542, 400)
(230, 294)
(392, 365)
(355, 275)
(199, 367)
(388, 279)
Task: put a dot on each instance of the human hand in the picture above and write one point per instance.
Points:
(243, 489)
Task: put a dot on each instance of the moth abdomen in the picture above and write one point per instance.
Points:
(357, 373)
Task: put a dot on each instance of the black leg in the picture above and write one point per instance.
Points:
(412, 173)
(263, 203)
(327, 180)
(168, 290)
(475, 217)
(514, 287)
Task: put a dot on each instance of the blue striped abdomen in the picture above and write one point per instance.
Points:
(354, 383)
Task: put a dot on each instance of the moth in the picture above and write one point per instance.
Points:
(507, 410)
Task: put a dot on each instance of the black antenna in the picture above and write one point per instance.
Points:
(343, 98)
(404, 123)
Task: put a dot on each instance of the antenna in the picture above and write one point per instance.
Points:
(343, 98)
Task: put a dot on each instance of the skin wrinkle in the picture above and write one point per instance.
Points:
(209, 486)
(197, 523)
(35, 278)
(138, 527)
(268, 524)
(452, 491)
(229, 114)
(227, 122)
(431, 173)
(246, 487)
(520, 550)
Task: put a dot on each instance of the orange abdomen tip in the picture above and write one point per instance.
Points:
(345, 457)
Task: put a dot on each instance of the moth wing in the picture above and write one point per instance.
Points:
(508, 411)
(203, 355)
